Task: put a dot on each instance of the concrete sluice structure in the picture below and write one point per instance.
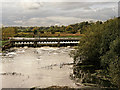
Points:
(39, 42)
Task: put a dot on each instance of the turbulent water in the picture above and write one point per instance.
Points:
(37, 67)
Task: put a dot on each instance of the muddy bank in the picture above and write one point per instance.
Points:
(69, 88)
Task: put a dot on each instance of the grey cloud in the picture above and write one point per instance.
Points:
(51, 21)
(50, 13)
(32, 5)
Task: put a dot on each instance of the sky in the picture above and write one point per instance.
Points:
(55, 12)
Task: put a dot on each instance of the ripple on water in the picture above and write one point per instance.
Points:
(46, 63)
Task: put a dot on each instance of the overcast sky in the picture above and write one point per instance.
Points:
(39, 13)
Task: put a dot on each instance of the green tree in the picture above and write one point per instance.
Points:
(111, 60)
(99, 49)
(9, 32)
(69, 29)
(35, 30)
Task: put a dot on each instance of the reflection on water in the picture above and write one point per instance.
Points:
(42, 67)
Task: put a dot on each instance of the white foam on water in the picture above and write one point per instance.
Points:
(0, 54)
(49, 48)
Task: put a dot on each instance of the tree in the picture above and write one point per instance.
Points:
(69, 29)
(9, 32)
(112, 60)
(99, 48)
(35, 31)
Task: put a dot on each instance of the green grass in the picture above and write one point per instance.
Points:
(3, 42)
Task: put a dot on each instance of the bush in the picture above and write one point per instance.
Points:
(100, 47)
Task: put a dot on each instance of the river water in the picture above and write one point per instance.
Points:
(37, 67)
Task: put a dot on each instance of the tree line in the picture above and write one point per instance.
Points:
(77, 28)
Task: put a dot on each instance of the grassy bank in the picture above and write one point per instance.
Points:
(3, 42)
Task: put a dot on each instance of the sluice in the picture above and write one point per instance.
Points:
(38, 42)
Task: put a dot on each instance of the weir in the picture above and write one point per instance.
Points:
(39, 42)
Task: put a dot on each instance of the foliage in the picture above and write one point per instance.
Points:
(8, 32)
(78, 28)
(100, 47)
(112, 60)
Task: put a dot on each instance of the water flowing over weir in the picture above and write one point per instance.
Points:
(37, 67)
(39, 42)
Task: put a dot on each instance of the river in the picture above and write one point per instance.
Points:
(37, 67)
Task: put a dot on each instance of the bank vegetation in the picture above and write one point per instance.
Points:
(97, 58)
